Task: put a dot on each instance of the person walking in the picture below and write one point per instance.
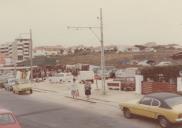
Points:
(74, 89)
(87, 89)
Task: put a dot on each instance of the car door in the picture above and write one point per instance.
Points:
(143, 107)
(155, 107)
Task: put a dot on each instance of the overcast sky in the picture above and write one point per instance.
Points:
(125, 21)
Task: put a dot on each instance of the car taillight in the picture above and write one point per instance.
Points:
(180, 116)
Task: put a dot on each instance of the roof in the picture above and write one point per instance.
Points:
(2, 111)
(11, 68)
(162, 95)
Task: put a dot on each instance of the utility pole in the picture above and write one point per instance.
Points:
(31, 55)
(102, 52)
(101, 40)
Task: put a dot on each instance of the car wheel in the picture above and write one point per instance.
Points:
(127, 113)
(164, 123)
(31, 91)
(11, 89)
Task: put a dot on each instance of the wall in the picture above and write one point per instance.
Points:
(151, 87)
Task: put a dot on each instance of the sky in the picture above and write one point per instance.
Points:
(125, 21)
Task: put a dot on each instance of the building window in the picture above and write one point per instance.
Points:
(20, 57)
(26, 43)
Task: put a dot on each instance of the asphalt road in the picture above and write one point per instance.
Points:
(40, 114)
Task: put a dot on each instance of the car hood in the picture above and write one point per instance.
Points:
(130, 102)
(23, 86)
(177, 108)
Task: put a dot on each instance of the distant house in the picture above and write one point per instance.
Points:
(110, 48)
(133, 49)
(165, 63)
(150, 44)
(65, 52)
(121, 48)
(48, 51)
(146, 63)
(178, 47)
(148, 49)
(97, 49)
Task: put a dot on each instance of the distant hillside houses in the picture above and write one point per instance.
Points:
(150, 44)
(137, 48)
(84, 50)
(48, 50)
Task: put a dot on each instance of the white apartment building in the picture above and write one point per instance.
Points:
(4, 49)
(19, 50)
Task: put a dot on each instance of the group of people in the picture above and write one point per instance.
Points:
(75, 91)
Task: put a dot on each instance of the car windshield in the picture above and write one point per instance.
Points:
(174, 101)
(6, 119)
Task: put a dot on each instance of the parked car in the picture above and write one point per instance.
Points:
(22, 87)
(164, 107)
(61, 78)
(8, 119)
(9, 83)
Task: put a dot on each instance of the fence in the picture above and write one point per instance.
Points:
(151, 87)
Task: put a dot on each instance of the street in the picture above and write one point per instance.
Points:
(35, 113)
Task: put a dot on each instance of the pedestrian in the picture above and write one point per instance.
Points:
(74, 89)
(87, 89)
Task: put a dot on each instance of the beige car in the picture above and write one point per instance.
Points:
(22, 88)
(164, 107)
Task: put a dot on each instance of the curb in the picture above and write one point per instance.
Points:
(81, 99)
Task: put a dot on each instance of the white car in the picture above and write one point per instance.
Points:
(61, 78)
(144, 63)
(165, 63)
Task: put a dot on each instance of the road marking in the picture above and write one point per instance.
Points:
(39, 112)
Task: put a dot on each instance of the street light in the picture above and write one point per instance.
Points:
(101, 40)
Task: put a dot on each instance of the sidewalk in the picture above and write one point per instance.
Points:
(112, 97)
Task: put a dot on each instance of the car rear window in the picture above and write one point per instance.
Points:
(6, 119)
(174, 101)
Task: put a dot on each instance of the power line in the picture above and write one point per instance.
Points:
(101, 40)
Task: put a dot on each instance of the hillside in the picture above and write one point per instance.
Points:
(118, 59)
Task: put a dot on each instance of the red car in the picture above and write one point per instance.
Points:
(8, 120)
